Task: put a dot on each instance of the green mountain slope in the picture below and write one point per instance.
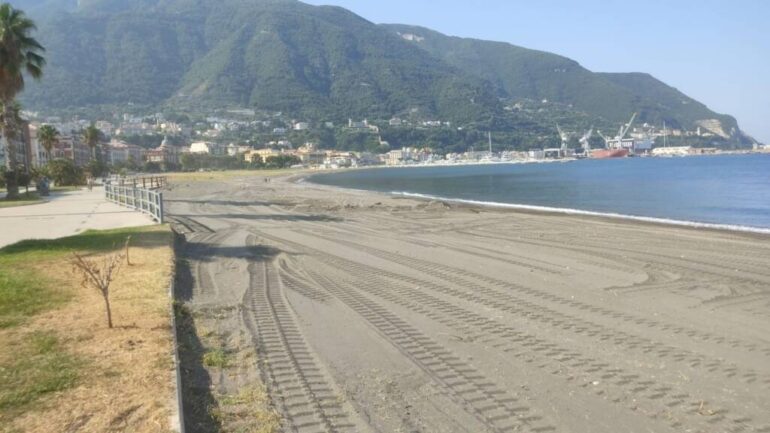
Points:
(276, 55)
(316, 62)
(523, 73)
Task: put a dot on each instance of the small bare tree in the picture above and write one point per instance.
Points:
(99, 275)
(128, 244)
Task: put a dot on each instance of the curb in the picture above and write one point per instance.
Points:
(176, 421)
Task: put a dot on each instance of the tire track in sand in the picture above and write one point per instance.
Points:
(295, 381)
(550, 356)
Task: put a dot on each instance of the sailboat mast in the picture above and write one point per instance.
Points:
(490, 143)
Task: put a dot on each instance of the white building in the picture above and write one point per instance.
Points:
(301, 126)
(235, 149)
(206, 147)
(358, 125)
(672, 151)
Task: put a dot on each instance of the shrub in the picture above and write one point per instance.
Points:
(64, 172)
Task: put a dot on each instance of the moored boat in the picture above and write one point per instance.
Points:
(609, 153)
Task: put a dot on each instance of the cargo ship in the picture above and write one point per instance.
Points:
(609, 153)
(618, 147)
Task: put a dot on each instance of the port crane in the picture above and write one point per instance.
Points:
(585, 140)
(565, 137)
(617, 142)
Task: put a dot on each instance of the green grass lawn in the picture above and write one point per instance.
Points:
(33, 280)
(39, 366)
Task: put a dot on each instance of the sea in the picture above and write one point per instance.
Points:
(718, 191)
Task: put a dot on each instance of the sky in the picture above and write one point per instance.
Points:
(716, 51)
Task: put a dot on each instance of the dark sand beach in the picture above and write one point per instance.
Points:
(361, 312)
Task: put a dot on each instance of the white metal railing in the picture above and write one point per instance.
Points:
(141, 199)
(149, 182)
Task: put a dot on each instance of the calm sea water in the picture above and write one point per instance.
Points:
(726, 189)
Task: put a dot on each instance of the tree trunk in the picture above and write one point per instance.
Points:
(11, 165)
(109, 310)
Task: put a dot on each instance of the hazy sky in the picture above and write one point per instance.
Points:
(717, 52)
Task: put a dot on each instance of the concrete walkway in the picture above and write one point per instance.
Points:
(66, 214)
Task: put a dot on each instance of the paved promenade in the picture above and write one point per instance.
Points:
(66, 214)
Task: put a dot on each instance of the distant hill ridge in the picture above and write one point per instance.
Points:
(317, 62)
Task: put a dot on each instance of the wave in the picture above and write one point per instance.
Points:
(569, 211)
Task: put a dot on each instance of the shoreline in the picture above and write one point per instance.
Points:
(300, 178)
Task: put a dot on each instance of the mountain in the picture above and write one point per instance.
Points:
(524, 73)
(316, 62)
(276, 55)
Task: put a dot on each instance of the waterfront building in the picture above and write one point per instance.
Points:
(672, 151)
(310, 155)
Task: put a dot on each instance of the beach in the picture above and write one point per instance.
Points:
(367, 312)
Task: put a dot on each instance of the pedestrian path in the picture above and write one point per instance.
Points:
(66, 214)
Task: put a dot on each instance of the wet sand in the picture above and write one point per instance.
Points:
(369, 313)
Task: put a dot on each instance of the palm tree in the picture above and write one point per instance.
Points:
(91, 136)
(19, 56)
(48, 137)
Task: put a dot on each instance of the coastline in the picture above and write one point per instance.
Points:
(305, 178)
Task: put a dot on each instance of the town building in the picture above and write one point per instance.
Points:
(233, 149)
(207, 147)
(310, 155)
(107, 128)
(301, 126)
(260, 154)
(399, 156)
(121, 152)
(358, 125)
(71, 147)
(340, 160)
(37, 151)
(672, 151)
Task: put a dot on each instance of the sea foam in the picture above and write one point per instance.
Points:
(568, 211)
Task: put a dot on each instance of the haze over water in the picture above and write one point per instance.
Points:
(727, 189)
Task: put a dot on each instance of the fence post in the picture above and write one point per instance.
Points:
(159, 197)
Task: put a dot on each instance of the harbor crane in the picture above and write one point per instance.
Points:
(624, 130)
(565, 137)
(585, 140)
(617, 142)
